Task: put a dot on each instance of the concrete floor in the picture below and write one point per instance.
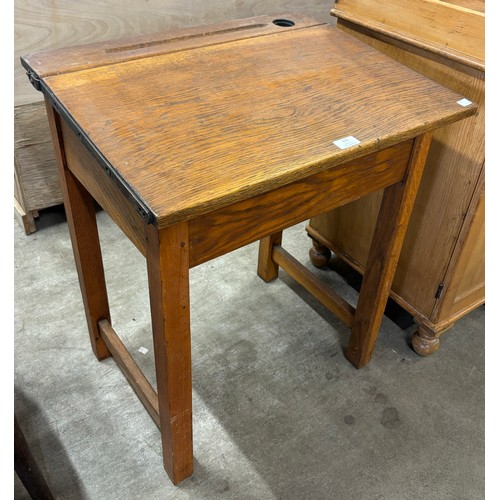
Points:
(278, 411)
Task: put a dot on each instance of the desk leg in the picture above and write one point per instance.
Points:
(80, 213)
(267, 269)
(168, 274)
(385, 248)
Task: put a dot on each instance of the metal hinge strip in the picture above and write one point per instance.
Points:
(140, 206)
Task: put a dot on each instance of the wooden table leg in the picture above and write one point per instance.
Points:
(80, 213)
(168, 274)
(267, 269)
(393, 218)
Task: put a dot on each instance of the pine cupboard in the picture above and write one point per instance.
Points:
(440, 275)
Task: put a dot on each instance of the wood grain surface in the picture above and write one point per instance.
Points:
(454, 164)
(168, 276)
(464, 284)
(228, 228)
(390, 230)
(478, 5)
(328, 297)
(131, 370)
(50, 24)
(36, 174)
(433, 24)
(236, 119)
(95, 179)
(267, 268)
(80, 57)
(82, 224)
(234, 126)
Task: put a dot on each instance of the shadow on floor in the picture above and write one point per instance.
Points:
(47, 451)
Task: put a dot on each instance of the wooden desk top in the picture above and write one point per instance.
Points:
(193, 120)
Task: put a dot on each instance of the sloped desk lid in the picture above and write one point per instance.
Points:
(204, 121)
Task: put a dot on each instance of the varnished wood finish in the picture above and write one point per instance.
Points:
(311, 283)
(438, 328)
(233, 138)
(385, 247)
(131, 370)
(42, 25)
(453, 168)
(441, 27)
(88, 56)
(95, 179)
(235, 145)
(425, 341)
(82, 225)
(228, 228)
(267, 268)
(319, 254)
(168, 274)
(464, 285)
(67, 23)
(438, 248)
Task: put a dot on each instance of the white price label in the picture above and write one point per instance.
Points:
(464, 102)
(346, 142)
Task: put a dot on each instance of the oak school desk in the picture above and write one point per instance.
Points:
(199, 141)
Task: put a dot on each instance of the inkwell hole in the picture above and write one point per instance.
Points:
(284, 23)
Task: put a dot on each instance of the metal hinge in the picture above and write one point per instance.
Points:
(139, 205)
(34, 80)
(439, 290)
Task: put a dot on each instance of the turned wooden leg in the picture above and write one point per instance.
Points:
(425, 341)
(267, 269)
(319, 254)
(385, 248)
(168, 275)
(80, 212)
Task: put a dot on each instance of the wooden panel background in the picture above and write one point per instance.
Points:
(468, 4)
(465, 285)
(44, 24)
(442, 24)
(38, 187)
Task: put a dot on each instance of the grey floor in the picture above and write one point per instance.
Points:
(278, 411)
